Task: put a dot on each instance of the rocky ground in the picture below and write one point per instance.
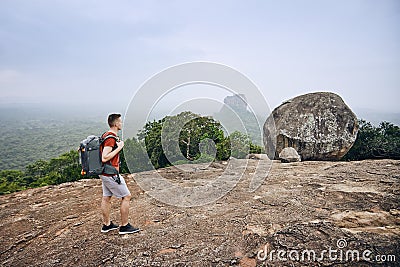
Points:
(335, 209)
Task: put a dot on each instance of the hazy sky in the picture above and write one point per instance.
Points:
(102, 51)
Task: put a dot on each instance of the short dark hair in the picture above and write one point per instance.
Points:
(112, 118)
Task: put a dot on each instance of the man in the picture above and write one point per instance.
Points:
(110, 183)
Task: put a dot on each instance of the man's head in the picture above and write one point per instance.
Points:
(115, 120)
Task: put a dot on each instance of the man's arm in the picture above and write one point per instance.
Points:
(108, 154)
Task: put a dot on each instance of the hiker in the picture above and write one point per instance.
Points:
(114, 185)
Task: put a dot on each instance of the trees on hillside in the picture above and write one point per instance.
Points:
(184, 138)
(188, 137)
(64, 168)
(375, 142)
(133, 157)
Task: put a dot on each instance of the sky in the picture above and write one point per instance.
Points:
(101, 52)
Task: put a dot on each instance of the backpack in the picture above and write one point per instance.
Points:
(90, 156)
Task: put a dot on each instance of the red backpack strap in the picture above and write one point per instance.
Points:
(104, 138)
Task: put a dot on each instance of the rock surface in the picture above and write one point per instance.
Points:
(305, 205)
(320, 126)
(289, 154)
(257, 156)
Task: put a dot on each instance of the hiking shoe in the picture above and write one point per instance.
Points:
(128, 229)
(108, 228)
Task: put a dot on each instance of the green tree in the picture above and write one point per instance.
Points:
(199, 130)
(241, 145)
(133, 157)
(375, 142)
(151, 137)
(65, 168)
(189, 130)
(224, 149)
(188, 137)
(11, 181)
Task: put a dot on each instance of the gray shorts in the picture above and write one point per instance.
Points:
(112, 188)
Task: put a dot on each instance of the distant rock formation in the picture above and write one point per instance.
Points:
(235, 116)
(236, 102)
(320, 126)
(289, 154)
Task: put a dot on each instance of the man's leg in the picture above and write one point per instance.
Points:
(125, 209)
(105, 210)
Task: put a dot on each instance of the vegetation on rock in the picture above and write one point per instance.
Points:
(375, 142)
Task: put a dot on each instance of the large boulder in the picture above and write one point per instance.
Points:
(320, 126)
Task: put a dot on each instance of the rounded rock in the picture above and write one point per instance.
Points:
(319, 126)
